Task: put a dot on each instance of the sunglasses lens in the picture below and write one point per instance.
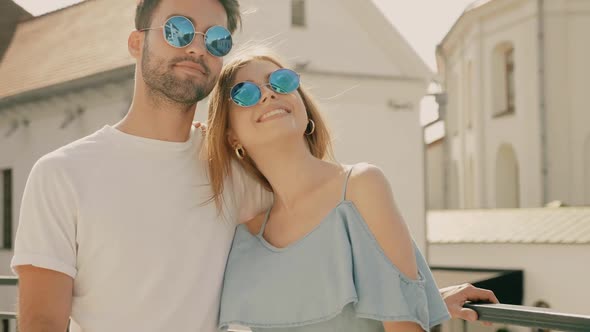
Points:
(245, 94)
(284, 81)
(218, 41)
(179, 31)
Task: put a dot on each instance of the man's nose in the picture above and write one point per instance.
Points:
(197, 46)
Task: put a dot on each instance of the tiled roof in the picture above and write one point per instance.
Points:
(566, 225)
(89, 38)
(476, 4)
(68, 44)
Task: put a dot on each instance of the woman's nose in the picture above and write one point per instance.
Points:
(267, 93)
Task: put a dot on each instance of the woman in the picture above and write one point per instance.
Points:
(332, 253)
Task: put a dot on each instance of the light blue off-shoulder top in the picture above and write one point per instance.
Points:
(336, 278)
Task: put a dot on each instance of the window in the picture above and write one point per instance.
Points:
(6, 206)
(298, 13)
(507, 178)
(454, 185)
(468, 96)
(452, 120)
(503, 76)
(509, 68)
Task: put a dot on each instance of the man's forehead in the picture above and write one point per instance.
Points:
(200, 12)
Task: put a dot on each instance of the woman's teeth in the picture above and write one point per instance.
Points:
(271, 113)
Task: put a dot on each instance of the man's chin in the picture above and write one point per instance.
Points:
(190, 98)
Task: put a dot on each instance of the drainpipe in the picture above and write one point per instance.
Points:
(482, 119)
(542, 100)
(425, 185)
(443, 112)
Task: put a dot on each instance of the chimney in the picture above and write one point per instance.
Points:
(10, 15)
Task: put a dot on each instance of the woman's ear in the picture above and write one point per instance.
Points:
(135, 43)
(232, 139)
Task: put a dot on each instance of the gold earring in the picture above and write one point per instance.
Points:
(312, 127)
(240, 152)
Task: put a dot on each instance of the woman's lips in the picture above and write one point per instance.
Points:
(278, 112)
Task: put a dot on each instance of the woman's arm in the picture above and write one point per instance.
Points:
(371, 193)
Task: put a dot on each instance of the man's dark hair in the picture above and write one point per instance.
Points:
(145, 9)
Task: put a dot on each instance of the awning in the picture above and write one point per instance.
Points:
(507, 285)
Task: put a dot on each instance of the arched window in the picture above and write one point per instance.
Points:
(469, 184)
(503, 79)
(507, 178)
(453, 199)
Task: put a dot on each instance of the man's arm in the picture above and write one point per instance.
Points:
(456, 296)
(45, 299)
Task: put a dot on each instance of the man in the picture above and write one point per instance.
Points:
(112, 231)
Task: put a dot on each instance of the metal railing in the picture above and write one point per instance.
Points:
(495, 313)
(531, 317)
(6, 317)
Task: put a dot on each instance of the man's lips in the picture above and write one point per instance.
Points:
(192, 66)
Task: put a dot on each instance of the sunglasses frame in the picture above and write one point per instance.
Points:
(195, 33)
(265, 85)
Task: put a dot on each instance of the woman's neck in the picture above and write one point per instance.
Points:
(291, 170)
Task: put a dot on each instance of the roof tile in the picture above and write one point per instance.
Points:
(66, 45)
(566, 225)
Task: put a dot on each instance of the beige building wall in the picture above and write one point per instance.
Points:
(568, 71)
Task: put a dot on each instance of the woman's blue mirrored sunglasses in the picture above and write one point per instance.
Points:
(179, 32)
(248, 94)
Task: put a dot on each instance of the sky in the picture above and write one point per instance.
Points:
(423, 23)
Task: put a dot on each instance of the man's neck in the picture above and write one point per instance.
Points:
(158, 119)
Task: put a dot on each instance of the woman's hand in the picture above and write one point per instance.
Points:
(203, 127)
(456, 296)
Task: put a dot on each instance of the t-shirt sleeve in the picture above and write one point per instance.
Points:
(244, 196)
(46, 234)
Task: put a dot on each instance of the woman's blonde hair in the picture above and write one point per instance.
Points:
(219, 151)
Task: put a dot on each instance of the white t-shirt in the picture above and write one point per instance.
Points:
(124, 216)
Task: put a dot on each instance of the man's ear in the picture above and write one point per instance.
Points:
(135, 43)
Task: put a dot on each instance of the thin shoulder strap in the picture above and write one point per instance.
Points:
(346, 182)
(261, 231)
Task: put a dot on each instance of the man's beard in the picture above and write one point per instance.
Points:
(159, 77)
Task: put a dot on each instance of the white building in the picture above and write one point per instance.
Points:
(515, 74)
(67, 73)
